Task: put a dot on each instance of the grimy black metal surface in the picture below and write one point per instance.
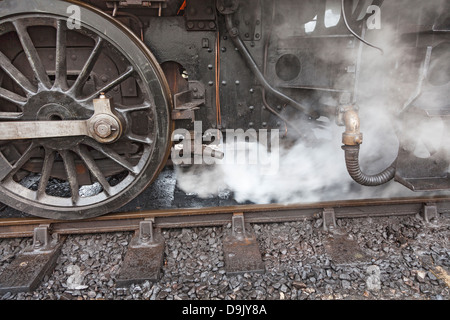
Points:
(256, 64)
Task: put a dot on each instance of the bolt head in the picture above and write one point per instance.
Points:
(102, 129)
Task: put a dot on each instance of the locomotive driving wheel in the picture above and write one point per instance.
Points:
(65, 153)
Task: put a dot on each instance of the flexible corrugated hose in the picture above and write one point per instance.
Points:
(352, 163)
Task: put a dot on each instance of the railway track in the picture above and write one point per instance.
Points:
(215, 216)
(146, 250)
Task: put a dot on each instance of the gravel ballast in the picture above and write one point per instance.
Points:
(400, 258)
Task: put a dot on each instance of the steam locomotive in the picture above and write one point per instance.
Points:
(91, 91)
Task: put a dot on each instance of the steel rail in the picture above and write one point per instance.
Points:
(219, 216)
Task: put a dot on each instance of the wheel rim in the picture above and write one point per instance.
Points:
(52, 72)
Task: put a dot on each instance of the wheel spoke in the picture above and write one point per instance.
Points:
(121, 78)
(11, 170)
(140, 139)
(10, 115)
(61, 65)
(12, 97)
(47, 166)
(127, 109)
(87, 68)
(110, 153)
(16, 75)
(32, 55)
(85, 155)
(71, 171)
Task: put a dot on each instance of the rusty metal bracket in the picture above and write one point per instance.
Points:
(29, 268)
(238, 227)
(144, 258)
(200, 15)
(186, 102)
(42, 238)
(429, 212)
(329, 219)
(241, 249)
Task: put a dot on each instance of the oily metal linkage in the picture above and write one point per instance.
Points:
(104, 126)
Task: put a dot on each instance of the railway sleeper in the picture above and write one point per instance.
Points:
(26, 272)
(241, 251)
(144, 258)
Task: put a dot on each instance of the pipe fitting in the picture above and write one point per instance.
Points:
(352, 135)
(352, 138)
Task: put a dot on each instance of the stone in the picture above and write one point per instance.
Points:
(373, 281)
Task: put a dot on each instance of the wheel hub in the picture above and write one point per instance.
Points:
(54, 105)
(53, 112)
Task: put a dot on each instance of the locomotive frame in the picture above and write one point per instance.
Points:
(96, 101)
